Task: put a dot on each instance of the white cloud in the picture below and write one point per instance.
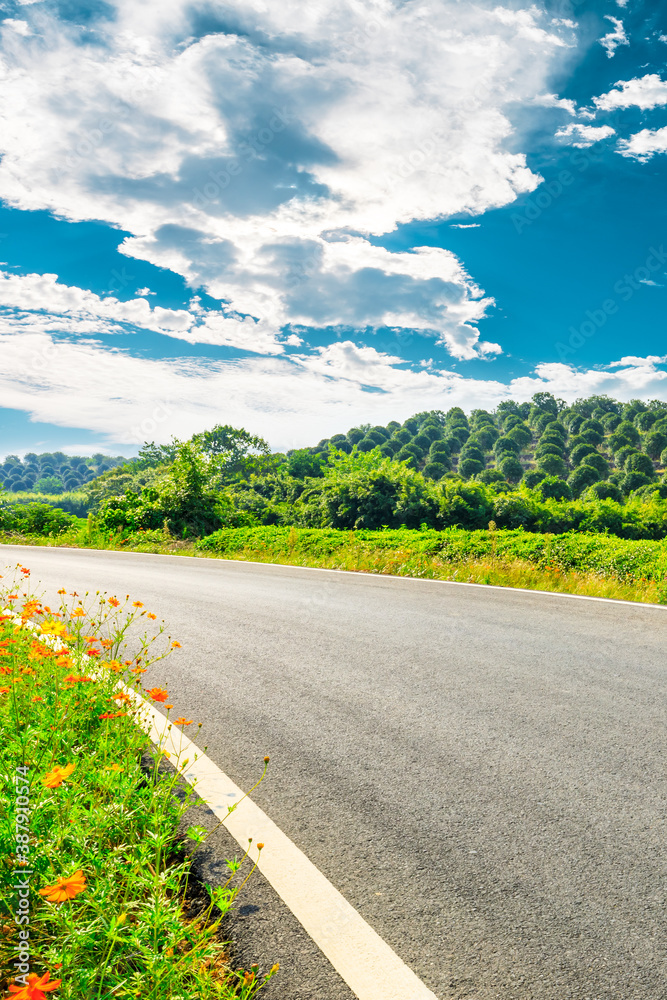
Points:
(40, 303)
(583, 136)
(239, 157)
(644, 92)
(611, 41)
(645, 144)
(466, 225)
(292, 401)
(553, 101)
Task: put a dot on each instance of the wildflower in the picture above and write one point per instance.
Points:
(260, 847)
(56, 777)
(114, 602)
(65, 888)
(157, 694)
(182, 722)
(137, 604)
(36, 989)
(52, 628)
(114, 665)
(4, 690)
(79, 680)
(151, 616)
(168, 706)
(78, 613)
(175, 645)
(25, 570)
(62, 591)
(138, 670)
(121, 696)
(113, 767)
(111, 715)
(5, 670)
(38, 698)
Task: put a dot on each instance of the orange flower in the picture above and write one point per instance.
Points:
(56, 777)
(4, 690)
(151, 616)
(78, 613)
(62, 591)
(64, 661)
(138, 670)
(25, 570)
(38, 699)
(79, 680)
(5, 670)
(36, 989)
(137, 604)
(114, 602)
(111, 715)
(157, 694)
(175, 645)
(182, 722)
(121, 696)
(65, 888)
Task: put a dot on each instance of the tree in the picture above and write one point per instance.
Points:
(545, 401)
(512, 469)
(553, 466)
(436, 470)
(603, 491)
(640, 463)
(302, 464)
(553, 488)
(532, 478)
(583, 476)
(581, 452)
(654, 443)
(505, 445)
(470, 466)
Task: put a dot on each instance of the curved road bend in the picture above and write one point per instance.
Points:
(480, 772)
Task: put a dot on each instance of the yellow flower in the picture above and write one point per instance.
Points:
(56, 777)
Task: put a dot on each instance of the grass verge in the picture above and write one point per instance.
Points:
(93, 878)
(593, 565)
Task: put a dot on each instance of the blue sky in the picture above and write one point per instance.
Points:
(302, 218)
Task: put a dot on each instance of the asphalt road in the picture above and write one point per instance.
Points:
(481, 772)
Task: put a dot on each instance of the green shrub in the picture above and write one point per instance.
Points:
(511, 469)
(552, 488)
(583, 476)
(581, 452)
(553, 466)
(640, 463)
(506, 445)
(532, 478)
(470, 466)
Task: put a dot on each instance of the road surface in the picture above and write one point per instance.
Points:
(480, 771)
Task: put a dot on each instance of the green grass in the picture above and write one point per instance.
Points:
(594, 565)
(126, 930)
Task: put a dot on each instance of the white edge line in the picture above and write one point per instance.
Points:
(618, 601)
(359, 955)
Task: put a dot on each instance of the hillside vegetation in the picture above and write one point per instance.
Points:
(52, 472)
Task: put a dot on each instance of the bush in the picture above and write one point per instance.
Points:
(506, 446)
(35, 519)
(603, 491)
(628, 430)
(438, 448)
(368, 491)
(553, 488)
(640, 463)
(553, 466)
(366, 444)
(548, 449)
(654, 443)
(532, 478)
(471, 452)
(403, 436)
(436, 470)
(511, 469)
(633, 481)
(580, 452)
(521, 434)
(470, 466)
(597, 461)
(583, 476)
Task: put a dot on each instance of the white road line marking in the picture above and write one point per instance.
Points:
(367, 964)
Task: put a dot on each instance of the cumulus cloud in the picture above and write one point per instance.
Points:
(554, 101)
(644, 92)
(645, 144)
(291, 400)
(258, 154)
(40, 303)
(583, 136)
(611, 41)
